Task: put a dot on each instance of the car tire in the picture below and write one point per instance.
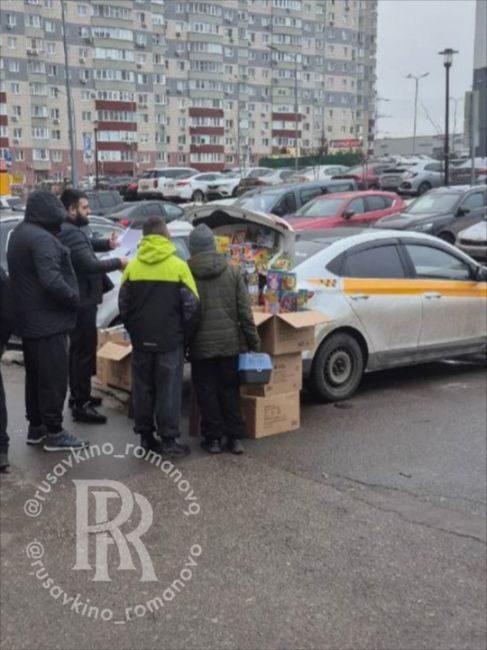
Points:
(446, 236)
(198, 196)
(337, 368)
(235, 193)
(424, 187)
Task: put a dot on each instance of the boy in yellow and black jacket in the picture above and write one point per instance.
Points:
(159, 306)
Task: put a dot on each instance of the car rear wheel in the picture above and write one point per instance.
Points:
(235, 193)
(447, 236)
(424, 187)
(198, 196)
(337, 368)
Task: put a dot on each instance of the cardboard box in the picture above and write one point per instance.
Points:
(267, 416)
(113, 364)
(288, 333)
(116, 334)
(286, 377)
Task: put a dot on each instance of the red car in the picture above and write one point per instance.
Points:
(346, 209)
(366, 176)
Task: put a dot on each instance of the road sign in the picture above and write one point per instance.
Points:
(7, 156)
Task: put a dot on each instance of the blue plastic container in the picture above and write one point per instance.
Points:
(254, 368)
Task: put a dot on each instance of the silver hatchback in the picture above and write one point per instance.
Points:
(422, 177)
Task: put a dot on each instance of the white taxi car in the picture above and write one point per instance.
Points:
(394, 299)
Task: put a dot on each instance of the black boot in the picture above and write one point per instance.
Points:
(94, 401)
(211, 446)
(235, 446)
(4, 460)
(149, 443)
(88, 413)
(174, 449)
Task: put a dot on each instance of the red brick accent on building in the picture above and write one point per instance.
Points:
(206, 148)
(105, 105)
(3, 120)
(4, 142)
(206, 130)
(3, 98)
(209, 167)
(285, 133)
(117, 167)
(286, 117)
(116, 146)
(205, 112)
(117, 126)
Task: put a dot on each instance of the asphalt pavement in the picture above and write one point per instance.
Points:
(364, 529)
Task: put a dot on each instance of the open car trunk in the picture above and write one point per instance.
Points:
(237, 223)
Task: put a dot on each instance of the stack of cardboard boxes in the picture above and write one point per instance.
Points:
(275, 407)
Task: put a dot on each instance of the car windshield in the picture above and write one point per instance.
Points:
(258, 202)
(321, 208)
(149, 174)
(432, 203)
(15, 203)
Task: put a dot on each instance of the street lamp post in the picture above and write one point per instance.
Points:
(416, 89)
(296, 102)
(447, 55)
(72, 145)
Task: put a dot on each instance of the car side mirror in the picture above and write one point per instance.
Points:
(481, 273)
(348, 214)
(461, 212)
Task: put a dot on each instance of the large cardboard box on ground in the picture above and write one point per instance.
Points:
(287, 333)
(113, 359)
(286, 377)
(266, 416)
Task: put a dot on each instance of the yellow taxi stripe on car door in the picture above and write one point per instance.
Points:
(410, 287)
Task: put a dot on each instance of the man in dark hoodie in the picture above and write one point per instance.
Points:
(6, 326)
(46, 301)
(159, 307)
(91, 273)
(226, 317)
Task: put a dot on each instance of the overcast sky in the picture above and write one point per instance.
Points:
(410, 35)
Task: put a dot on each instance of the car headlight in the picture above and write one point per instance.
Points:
(423, 227)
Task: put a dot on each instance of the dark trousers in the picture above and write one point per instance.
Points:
(4, 439)
(216, 386)
(157, 383)
(82, 354)
(46, 380)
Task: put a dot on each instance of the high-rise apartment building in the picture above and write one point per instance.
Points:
(480, 74)
(202, 83)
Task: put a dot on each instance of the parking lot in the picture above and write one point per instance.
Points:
(363, 529)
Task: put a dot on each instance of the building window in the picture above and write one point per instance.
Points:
(56, 156)
(19, 155)
(86, 116)
(13, 65)
(17, 134)
(40, 154)
(17, 111)
(32, 20)
(82, 10)
(12, 42)
(56, 134)
(15, 88)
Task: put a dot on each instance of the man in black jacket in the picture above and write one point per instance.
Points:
(6, 326)
(91, 273)
(46, 299)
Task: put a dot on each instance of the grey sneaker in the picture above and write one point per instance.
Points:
(64, 441)
(36, 435)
